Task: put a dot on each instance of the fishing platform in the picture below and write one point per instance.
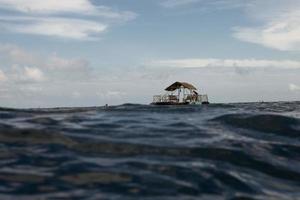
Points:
(180, 93)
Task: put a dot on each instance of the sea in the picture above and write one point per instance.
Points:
(239, 151)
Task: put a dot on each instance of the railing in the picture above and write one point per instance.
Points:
(174, 98)
(157, 98)
(165, 98)
(202, 98)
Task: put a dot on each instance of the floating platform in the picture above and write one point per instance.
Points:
(180, 93)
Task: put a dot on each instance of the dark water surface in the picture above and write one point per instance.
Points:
(221, 151)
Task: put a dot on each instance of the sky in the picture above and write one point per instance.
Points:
(97, 52)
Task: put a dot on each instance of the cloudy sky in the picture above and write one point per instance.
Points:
(93, 52)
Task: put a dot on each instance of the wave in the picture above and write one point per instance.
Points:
(236, 151)
(266, 123)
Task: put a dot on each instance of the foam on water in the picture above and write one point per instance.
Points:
(218, 151)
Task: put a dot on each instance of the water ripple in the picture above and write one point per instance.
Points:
(220, 151)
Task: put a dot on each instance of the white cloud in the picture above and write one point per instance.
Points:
(58, 27)
(115, 93)
(213, 4)
(2, 76)
(26, 66)
(76, 94)
(46, 6)
(58, 89)
(47, 18)
(34, 73)
(280, 25)
(175, 3)
(280, 34)
(15, 53)
(74, 68)
(83, 7)
(211, 62)
(277, 27)
(54, 62)
(294, 87)
(21, 74)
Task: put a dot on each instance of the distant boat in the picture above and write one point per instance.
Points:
(180, 93)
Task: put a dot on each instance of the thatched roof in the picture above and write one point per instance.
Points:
(178, 85)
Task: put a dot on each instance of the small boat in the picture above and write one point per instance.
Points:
(180, 93)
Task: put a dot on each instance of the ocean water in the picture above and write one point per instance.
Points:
(218, 151)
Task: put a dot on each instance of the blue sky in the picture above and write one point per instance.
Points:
(93, 52)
